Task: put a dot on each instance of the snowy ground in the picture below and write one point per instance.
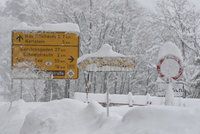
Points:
(74, 117)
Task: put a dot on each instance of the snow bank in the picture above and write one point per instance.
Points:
(74, 117)
(65, 116)
(68, 116)
(53, 117)
(12, 116)
(160, 120)
(59, 27)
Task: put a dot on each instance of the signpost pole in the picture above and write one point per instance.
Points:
(67, 87)
(12, 80)
(21, 89)
(107, 99)
(169, 95)
(34, 88)
(12, 88)
(51, 90)
(107, 102)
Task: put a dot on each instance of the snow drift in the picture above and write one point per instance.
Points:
(74, 117)
(161, 120)
(65, 116)
(12, 115)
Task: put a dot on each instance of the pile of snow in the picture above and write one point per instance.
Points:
(65, 116)
(58, 27)
(53, 117)
(12, 115)
(161, 120)
(74, 117)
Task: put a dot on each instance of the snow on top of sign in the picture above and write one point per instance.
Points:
(59, 27)
(104, 51)
(169, 48)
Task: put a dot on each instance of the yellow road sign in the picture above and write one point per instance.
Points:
(52, 56)
(44, 38)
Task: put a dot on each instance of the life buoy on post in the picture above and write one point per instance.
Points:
(165, 76)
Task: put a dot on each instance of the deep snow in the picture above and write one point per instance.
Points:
(74, 117)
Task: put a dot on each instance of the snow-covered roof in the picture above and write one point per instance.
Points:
(59, 27)
(169, 48)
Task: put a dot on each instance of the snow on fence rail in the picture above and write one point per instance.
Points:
(131, 100)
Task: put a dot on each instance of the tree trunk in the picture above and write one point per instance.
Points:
(183, 49)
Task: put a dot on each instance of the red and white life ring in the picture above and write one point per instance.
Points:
(172, 57)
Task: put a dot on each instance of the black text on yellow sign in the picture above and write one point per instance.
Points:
(45, 38)
(54, 52)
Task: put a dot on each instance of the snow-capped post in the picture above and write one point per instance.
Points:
(107, 101)
(169, 68)
(106, 60)
(130, 99)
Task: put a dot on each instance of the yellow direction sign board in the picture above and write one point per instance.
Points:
(54, 52)
(44, 38)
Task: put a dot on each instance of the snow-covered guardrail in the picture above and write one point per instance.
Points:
(117, 99)
(131, 100)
